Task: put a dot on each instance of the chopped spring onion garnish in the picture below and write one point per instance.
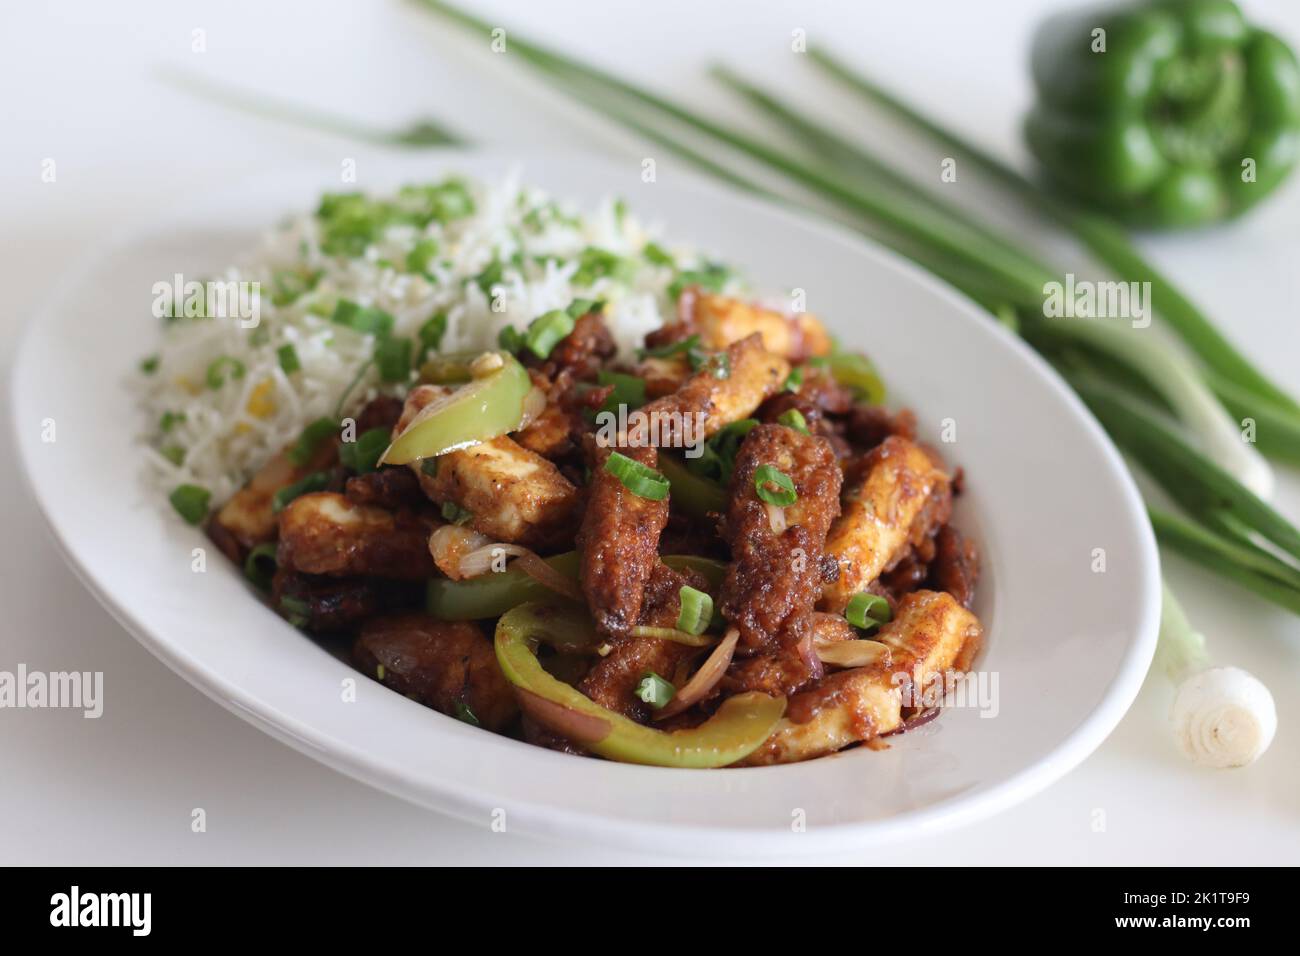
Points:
(288, 356)
(686, 346)
(305, 448)
(642, 481)
(173, 453)
(316, 481)
(856, 373)
(168, 420)
(774, 486)
(580, 307)
(656, 255)
(296, 611)
(464, 713)
(453, 512)
(260, 565)
(654, 690)
(214, 375)
(696, 612)
(421, 254)
(867, 611)
(545, 332)
(393, 359)
(793, 418)
(191, 502)
(629, 391)
(793, 381)
(362, 455)
(369, 321)
(149, 364)
(718, 457)
(431, 334)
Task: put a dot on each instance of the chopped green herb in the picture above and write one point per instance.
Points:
(655, 254)
(774, 486)
(170, 420)
(641, 480)
(710, 277)
(215, 374)
(867, 611)
(260, 565)
(793, 381)
(546, 331)
(654, 690)
(190, 502)
(421, 255)
(288, 357)
(149, 364)
(696, 611)
(304, 448)
(393, 359)
(595, 263)
(370, 321)
(464, 713)
(362, 455)
(628, 391)
(173, 453)
(431, 334)
(511, 339)
(316, 481)
(793, 418)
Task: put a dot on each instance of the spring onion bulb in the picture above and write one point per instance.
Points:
(1222, 716)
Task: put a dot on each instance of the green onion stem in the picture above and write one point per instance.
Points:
(1106, 240)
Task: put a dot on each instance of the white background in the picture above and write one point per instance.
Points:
(82, 87)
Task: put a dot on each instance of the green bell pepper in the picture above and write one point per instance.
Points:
(738, 728)
(489, 406)
(1165, 113)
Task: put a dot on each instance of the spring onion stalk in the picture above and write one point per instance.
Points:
(1106, 240)
(1222, 716)
(1277, 430)
(1182, 389)
(422, 133)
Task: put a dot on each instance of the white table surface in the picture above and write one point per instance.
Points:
(82, 88)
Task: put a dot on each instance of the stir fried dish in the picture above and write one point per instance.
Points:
(720, 550)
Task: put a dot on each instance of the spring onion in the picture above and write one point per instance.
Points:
(190, 502)
(216, 376)
(654, 690)
(546, 331)
(867, 611)
(304, 449)
(641, 480)
(393, 359)
(454, 513)
(368, 321)
(856, 373)
(793, 381)
(260, 565)
(316, 481)
(629, 391)
(774, 486)
(288, 357)
(362, 455)
(696, 611)
(1221, 716)
(149, 364)
(793, 418)
(421, 255)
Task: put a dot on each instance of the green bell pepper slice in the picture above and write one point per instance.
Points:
(491, 595)
(489, 406)
(739, 727)
(1164, 113)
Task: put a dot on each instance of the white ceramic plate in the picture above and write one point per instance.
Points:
(1046, 494)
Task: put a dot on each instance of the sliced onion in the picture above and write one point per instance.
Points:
(451, 544)
(705, 679)
(545, 575)
(479, 561)
(674, 635)
(916, 720)
(534, 406)
(775, 517)
(573, 724)
(853, 653)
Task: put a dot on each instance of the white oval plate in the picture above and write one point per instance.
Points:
(1046, 495)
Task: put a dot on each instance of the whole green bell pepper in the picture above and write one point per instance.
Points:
(1165, 113)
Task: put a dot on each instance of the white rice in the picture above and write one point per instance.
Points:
(220, 441)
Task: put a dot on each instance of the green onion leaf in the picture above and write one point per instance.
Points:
(719, 365)
(464, 713)
(783, 494)
(368, 321)
(305, 448)
(363, 454)
(717, 459)
(316, 481)
(511, 339)
(168, 420)
(546, 331)
(421, 254)
(174, 453)
(453, 512)
(656, 255)
(685, 346)
(580, 307)
(793, 418)
(867, 611)
(288, 356)
(628, 390)
(696, 612)
(214, 375)
(431, 334)
(654, 690)
(393, 359)
(260, 565)
(793, 381)
(642, 481)
(149, 364)
(191, 502)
